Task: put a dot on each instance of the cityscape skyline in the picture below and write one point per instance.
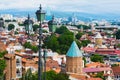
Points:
(101, 6)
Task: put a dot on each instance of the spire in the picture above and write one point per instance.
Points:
(74, 51)
(40, 7)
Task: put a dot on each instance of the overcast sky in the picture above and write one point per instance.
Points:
(91, 6)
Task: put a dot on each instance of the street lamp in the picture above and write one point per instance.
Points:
(28, 25)
(40, 17)
(45, 56)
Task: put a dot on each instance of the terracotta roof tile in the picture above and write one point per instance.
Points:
(94, 79)
(116, 70)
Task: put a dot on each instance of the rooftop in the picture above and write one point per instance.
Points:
(116, 70)
(74, 51)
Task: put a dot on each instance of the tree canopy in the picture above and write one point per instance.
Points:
(30, 46)
(61, 43)
(11, 26)
(2, 63)
(79, 35)
(51, 75)
(35, 27)
(61, 30)
(84, 26)
(118, 34)
(96, 58)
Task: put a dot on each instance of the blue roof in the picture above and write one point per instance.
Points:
(74, 51)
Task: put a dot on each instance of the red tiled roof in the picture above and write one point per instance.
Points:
(94, 79)
(96, 69)
(89, 49)
(117, 51)
(116, 70)
(105, 51)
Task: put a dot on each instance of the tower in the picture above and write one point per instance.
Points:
(11, 67)
(98, 39)
(52, 25)
(74, 62)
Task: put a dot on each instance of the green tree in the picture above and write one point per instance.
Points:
(62, 43)
(28, 75)
(96, 58)
(84, 61)
(2, 53)
(44, 31)
(35, 27)
(51, 75)
(61, 30)
(118, 45)
(2, 66)
(52, 42)
(27, 45)
(30, 46)
(100, 75)
(118, 34)
(65, 42)
(35, 48)
(21, 24)
(16, 32)
(11, 26)
(85, 42)
(8, 20)
(79, 35)
(85, 27)
(62, 76)
(114, 65)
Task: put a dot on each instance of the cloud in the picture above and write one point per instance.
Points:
(92, 6)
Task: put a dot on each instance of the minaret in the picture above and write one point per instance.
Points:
(98, 39)
(74, 62)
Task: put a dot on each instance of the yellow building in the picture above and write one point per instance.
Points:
(98, 39)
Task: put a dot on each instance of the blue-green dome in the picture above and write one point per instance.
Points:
(74, 51)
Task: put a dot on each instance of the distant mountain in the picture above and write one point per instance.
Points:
(80, 15)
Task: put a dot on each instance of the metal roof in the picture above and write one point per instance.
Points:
(74, 51)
